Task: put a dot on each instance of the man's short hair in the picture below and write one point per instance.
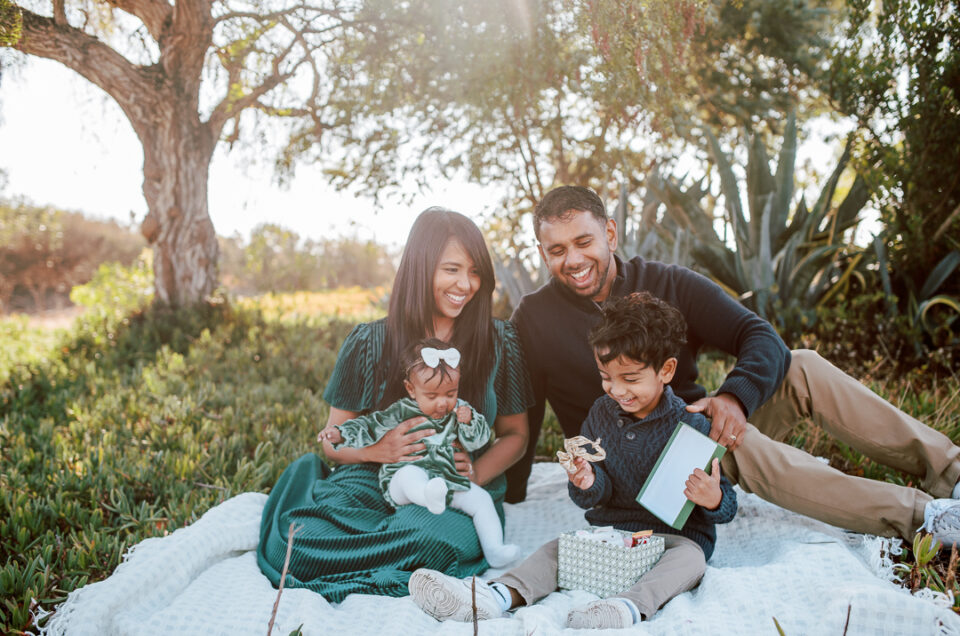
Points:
(640, 327)
(559, 202)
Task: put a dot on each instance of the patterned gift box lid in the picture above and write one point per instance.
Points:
(604, 569)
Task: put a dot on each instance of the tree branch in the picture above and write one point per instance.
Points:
(60, 12)
(155, 14)
(91, 58)
(184, 46)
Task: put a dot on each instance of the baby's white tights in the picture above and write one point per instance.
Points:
(412, 485)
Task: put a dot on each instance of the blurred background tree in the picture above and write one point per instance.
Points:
(45, 252)
(895, 71)
(192, 73)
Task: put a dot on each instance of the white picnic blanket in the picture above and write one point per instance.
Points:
(769, 564)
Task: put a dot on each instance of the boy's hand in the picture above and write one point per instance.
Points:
(703, 489)
(584, 477)
(330, 434)
(463, 414)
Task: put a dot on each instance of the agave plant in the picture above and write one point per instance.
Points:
(781, 260)
(643, 236)
(663, 241)
(934, 312)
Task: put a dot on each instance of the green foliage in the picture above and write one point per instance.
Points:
(11, 23)
(710, 64)
(276, 259)
(781, 260)
(895, 69)
(867, 330)
(131, 426)
(531, 94)
(44, 252)
(934, 312)
(931, 569)
(116, 290)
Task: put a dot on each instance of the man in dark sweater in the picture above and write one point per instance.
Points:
(636, 345)
(769, 385)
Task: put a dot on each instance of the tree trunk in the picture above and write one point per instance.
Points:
(161, 101)
(177, 152)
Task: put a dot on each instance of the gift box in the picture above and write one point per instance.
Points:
(599, 561)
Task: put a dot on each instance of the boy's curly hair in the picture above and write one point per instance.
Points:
(640, 327)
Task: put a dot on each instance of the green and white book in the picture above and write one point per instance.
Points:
(662, 492)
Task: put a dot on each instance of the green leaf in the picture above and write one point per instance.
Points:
(785, 173)
(925, 306)
(940, 274)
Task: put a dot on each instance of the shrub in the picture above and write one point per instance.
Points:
(133, 425)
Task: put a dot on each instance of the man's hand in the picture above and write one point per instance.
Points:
(463, 414)
(728, 423)
(398, 444)
(331, 434)
(703, 489)
(584, 477)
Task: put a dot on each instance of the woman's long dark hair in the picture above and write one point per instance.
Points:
(412, 305)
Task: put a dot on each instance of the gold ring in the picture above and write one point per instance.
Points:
(733, 437)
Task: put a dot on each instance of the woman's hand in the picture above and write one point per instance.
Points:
(703, 489)
(462, 462)
(395, 446)
(398, 445)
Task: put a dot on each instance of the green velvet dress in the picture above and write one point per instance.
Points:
(437, 458)
(351, 540)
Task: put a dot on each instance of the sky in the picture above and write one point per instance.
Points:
(64, 143)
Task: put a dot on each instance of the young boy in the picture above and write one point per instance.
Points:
(635, 344)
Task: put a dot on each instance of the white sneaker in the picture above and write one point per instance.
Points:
(941, 518)
(445, 597)
(608, 613)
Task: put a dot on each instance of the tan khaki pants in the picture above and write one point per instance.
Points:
(679, 569)
(853, 414)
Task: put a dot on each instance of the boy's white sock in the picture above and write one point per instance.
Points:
(502, 594)
(637, 616)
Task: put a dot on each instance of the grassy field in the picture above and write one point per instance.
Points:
(125, 427)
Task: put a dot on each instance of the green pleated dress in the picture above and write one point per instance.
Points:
(351, 539)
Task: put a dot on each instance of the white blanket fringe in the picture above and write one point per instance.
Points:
(769, 564)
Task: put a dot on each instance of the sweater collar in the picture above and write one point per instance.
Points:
(670, 408)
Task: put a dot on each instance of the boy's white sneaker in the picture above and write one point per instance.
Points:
(941, 518)
(445, 597)
(608, 613)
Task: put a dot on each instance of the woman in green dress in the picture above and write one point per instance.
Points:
(350, 539)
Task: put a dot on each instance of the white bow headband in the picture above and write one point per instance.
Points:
(432, 357)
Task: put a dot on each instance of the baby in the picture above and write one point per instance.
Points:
(432, 380)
